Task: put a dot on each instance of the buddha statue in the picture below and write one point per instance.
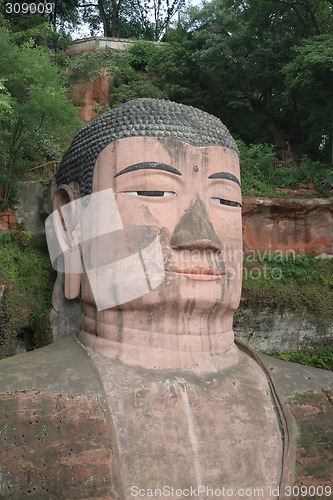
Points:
(164, 402)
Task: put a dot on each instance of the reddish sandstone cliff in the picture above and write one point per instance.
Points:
(88, 93)
(301, 225)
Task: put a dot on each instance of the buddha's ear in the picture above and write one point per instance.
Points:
(66, 227)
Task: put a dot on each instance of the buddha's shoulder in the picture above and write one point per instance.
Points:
(62, 367)
(56, 433)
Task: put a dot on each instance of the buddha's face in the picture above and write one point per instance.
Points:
(192, 196)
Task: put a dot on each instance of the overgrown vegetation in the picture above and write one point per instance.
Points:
(322, 358)
(170, 71)
(262, 175)
(291, 281)
(37, 119)
(264, 68)
(26, 271)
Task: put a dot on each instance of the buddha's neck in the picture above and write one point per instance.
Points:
(155, 338)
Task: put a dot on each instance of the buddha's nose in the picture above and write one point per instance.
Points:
(195, 230)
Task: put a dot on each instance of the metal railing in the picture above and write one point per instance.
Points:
(281, 163)
(43, 172)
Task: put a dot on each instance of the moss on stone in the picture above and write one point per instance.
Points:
(294, 282)
(26, 272)
(313, 413)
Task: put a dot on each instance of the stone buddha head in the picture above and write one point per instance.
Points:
(172, 172)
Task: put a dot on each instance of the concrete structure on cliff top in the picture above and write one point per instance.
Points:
(89, 92)
(160, 395)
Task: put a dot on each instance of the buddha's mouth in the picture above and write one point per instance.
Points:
(200, 273)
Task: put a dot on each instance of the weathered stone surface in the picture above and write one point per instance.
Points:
(87, 93)
(308, 393)
(8, 219)
(56, 437)
(314, 415)
(53, 446)
(65, 315)
(29, 207)
(270, 330)
(301, 225)
(180, 429)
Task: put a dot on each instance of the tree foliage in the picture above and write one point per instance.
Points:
(36, 117)
(309, 79)
(142, 19)
(263, 66)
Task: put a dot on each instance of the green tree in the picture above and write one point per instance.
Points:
(41, 119)
(266, 37)
(5, 99)
(46, 27)
(310, 77)
(239, 52)
(148, 19)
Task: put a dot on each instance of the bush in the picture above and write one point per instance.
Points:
(26, 270)
(260, 177)
(256, 161)
(135, 89)
(322, 358)
(292, 281)
(129, 84)
(140, 54)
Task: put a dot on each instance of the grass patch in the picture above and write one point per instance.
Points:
(262, 176)
(323, 358)
(296, 282)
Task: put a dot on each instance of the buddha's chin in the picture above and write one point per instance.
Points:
(188, 296)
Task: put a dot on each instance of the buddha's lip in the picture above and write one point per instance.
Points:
(200, 273)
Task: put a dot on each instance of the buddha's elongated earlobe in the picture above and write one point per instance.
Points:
(65, 226)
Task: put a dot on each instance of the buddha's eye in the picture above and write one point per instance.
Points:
(228, 203)
(151, 193)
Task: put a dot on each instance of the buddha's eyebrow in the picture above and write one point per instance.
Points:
(149, 165)
(225, 175)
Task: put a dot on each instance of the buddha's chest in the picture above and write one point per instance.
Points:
(186, 431)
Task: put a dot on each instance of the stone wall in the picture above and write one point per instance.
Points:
(8, 219)
(97, 43)
(34, 204)
(269, 330)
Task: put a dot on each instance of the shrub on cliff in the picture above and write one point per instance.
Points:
(262, 176)
(290, 281)
(26, 271)
(37, 119)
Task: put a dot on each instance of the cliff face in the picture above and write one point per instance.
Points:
(301, 225)
(88, 93)
(271, 330)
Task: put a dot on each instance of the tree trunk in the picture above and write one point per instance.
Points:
(115, 16)
(104, 18)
